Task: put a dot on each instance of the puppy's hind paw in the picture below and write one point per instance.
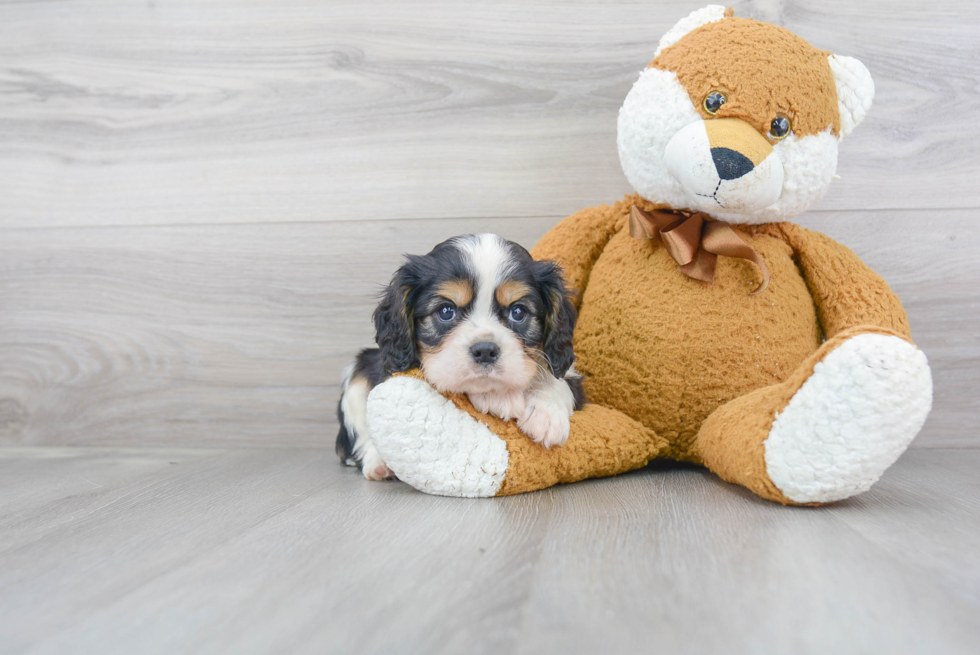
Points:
(374, 468)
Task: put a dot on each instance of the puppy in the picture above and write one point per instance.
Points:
(479, 316)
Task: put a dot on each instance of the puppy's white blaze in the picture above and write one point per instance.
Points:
(490, 263)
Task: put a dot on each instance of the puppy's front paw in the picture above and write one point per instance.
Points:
(506, 405)
(373, 467)
(546, 422)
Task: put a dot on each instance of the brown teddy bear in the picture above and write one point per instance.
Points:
(710, 329)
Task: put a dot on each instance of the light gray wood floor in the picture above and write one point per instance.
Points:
(285, 551)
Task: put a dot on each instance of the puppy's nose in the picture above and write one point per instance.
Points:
(731, 164)
(485, 352)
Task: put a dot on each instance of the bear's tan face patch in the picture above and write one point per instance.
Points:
(763, 71)
(739, 136)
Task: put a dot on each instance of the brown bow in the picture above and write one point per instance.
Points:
(695, 241)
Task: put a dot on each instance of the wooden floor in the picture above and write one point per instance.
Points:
(285, 551)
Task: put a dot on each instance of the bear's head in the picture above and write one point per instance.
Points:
(739, 119)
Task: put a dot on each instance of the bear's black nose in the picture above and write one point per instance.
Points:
(731, 164)
(485, 352)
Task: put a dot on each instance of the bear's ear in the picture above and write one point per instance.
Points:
(694, 20)
(855, 91)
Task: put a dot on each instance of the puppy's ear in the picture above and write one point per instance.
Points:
(559, 322)
(394, 321)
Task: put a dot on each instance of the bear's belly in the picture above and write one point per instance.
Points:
(667, 350)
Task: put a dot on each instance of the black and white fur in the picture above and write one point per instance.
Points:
(479, 316)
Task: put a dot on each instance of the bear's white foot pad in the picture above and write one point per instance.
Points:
(858, 411)
(431, 444)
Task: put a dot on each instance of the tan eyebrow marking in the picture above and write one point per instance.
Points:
(458, 291)
(511, 291)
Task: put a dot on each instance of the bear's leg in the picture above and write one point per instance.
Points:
(831, 429)
(445, 447)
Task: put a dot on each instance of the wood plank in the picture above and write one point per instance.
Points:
(173, 112)
(284, 550)
(236, 335)
(69, 474)
(940, 494)
(630, 564)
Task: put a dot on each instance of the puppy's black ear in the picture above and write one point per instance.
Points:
(394, 321)
(560, 317)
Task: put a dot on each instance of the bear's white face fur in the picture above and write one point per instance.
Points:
(666, 151)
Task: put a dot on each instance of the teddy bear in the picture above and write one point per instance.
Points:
(711, 330)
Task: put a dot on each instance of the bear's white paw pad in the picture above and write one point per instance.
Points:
(850, 420)
(431, 444)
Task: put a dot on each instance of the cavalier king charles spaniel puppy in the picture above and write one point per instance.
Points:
(478, 316)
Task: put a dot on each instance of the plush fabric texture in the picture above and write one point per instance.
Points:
(431, 445)
(855, 91)
(668, 350)
(851, 419)
(804, 393)
(762, 69)
(690, 23)
(445, 451)
(731, 442)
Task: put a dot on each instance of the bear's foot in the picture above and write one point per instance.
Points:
(851, 419)
(431, 444)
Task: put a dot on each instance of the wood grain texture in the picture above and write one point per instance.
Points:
(255, 111)
(200, 202)
(284, 550)
(237, 335)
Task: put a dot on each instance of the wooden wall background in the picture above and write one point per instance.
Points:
(199, 201)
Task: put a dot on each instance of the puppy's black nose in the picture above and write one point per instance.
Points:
(485, 352)
(731, 164)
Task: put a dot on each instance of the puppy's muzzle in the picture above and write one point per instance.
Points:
(485, 352)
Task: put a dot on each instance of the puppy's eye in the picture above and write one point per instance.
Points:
(518, 314)
(446, 313)
(713, 102)
(779, 128)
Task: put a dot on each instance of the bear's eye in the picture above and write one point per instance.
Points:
(713, 102)
(779, 128)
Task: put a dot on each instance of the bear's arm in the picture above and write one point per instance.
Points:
(846, 292)
(578, 240)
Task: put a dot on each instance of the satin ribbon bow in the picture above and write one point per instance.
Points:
(694, 241)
